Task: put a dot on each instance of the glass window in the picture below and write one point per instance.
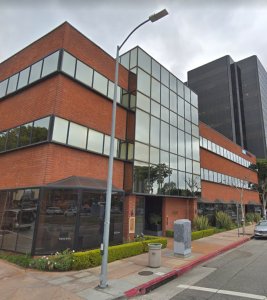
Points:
(141, 178)
(165, 96)
(35, 73)
(196, 167)
(165, 114)
(23, 78)
(205, 143)
(84, 73)
(77, 135)
(173, 161)
(50, 64)
(125, 60)
(194, 115)
(141, 152)
(130, 151)
(133, 59)
(173, 84)
(154, 131)
(95, 141)
(187, 126)
(164, 157)
(143, 102)
(181, 143)
(206, 174)
(60, 130)
(173, 139)
(188, 165)
(164, 141)
(165, 76)
(143, 82)
(3, 136)
(188, 145)
(194, 99)
(173, 119)
(3, 86)
(181, 180)
(12, 83)
(68, 64)
(155, 69)
(155, 108)
(111, 92)
(154, 155)
(123, 150)
(144, 61)
(25, 134)
(195, 130)
(100, 83)
(155, 89)
(107, 146)
(181, 123)
(195, 146)
(210, 175)
(181, 106)
(142, 126)
(187, 93)
(173, 101)
(180, 88)
(187, 111)
(40, 130)
(12, 138)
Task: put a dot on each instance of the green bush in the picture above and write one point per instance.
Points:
(257, 217)
(20, 260)
(201, 223)
(223, 220)
(250, 217)
(169, 233)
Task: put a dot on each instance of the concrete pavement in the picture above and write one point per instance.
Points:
(127, 277)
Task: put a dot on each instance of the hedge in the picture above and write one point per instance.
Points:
(195, 235)
(92, 258)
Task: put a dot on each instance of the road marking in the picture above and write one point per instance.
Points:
(224, 292)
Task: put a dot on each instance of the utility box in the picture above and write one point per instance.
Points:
(154, 255)
(182, 237)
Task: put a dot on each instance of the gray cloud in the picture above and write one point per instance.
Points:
(195, 32)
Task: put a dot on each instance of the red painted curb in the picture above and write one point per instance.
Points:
(145, 287)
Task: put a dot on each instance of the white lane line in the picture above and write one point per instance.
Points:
(223, 292)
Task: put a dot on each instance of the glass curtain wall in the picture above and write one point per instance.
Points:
(166, 150)
(18, 211)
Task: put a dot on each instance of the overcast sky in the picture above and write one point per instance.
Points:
(194, 33)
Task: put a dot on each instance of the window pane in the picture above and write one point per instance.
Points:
(84, 73)
(181, 122)
(154, 132)
(165, 158)
(142, 126)
(155, 69)
(187, 111)
(173, 161)
(3, 136)
(143, 102)
(155, 109)
(143, 82)
(141, 177)
(165, 76)
(173, 139)
(187, 126)
(187, 94)
(25, 134)
(77, 135)
(188, 165)
(173, 101)
(155, 90)
(111, 91)
(194, 99)
(35, 71)
(165, 114)
(40, 130)
(107, 146)
(68, 64)
(181, 106)
(50, 64)
(164, 143)
(12, 138)
(100, 83)
(3, 86)
(133, 59)
(180, 89)
(144, 61)
(181, 143)
(154, 155)
(95, 141)
(173, 84)
(181, 163)
(165, 97)
(173, 119)
(12, 83)
(23, 78)
(141, 152)
(125, 60)
(188, 146)
(60, 130)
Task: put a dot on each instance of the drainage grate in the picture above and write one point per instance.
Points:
(145, 273)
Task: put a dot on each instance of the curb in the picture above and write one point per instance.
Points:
(156, 282)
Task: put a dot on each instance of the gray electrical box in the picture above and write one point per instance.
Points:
(182, 237)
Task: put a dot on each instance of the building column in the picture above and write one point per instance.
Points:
(129, 217)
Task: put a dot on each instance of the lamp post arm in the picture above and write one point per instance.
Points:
(133, 32)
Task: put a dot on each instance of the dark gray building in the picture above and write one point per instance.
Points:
(233, 100)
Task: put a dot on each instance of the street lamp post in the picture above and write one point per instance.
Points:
(104, 245)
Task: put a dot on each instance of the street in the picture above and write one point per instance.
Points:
(235, 275)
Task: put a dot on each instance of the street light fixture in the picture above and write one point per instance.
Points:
(104, 245)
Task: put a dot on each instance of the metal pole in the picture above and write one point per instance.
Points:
(104, 246)
(237, 216)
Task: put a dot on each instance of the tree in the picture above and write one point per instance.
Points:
(193, 184)
(158, 173)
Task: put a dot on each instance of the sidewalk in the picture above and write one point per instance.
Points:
(128, 277)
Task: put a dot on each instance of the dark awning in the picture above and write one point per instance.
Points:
(78, 182)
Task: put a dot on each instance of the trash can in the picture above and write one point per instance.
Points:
(154, 255)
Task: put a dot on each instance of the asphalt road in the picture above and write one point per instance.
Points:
(236, 275)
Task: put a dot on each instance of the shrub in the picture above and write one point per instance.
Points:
(169, 233)
(223, 220)
(257, 217)
(20, 260)
(200, 223)
(250, 217)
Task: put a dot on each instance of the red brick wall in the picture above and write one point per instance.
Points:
(48, 163)
(129, 211)
(177, 208)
